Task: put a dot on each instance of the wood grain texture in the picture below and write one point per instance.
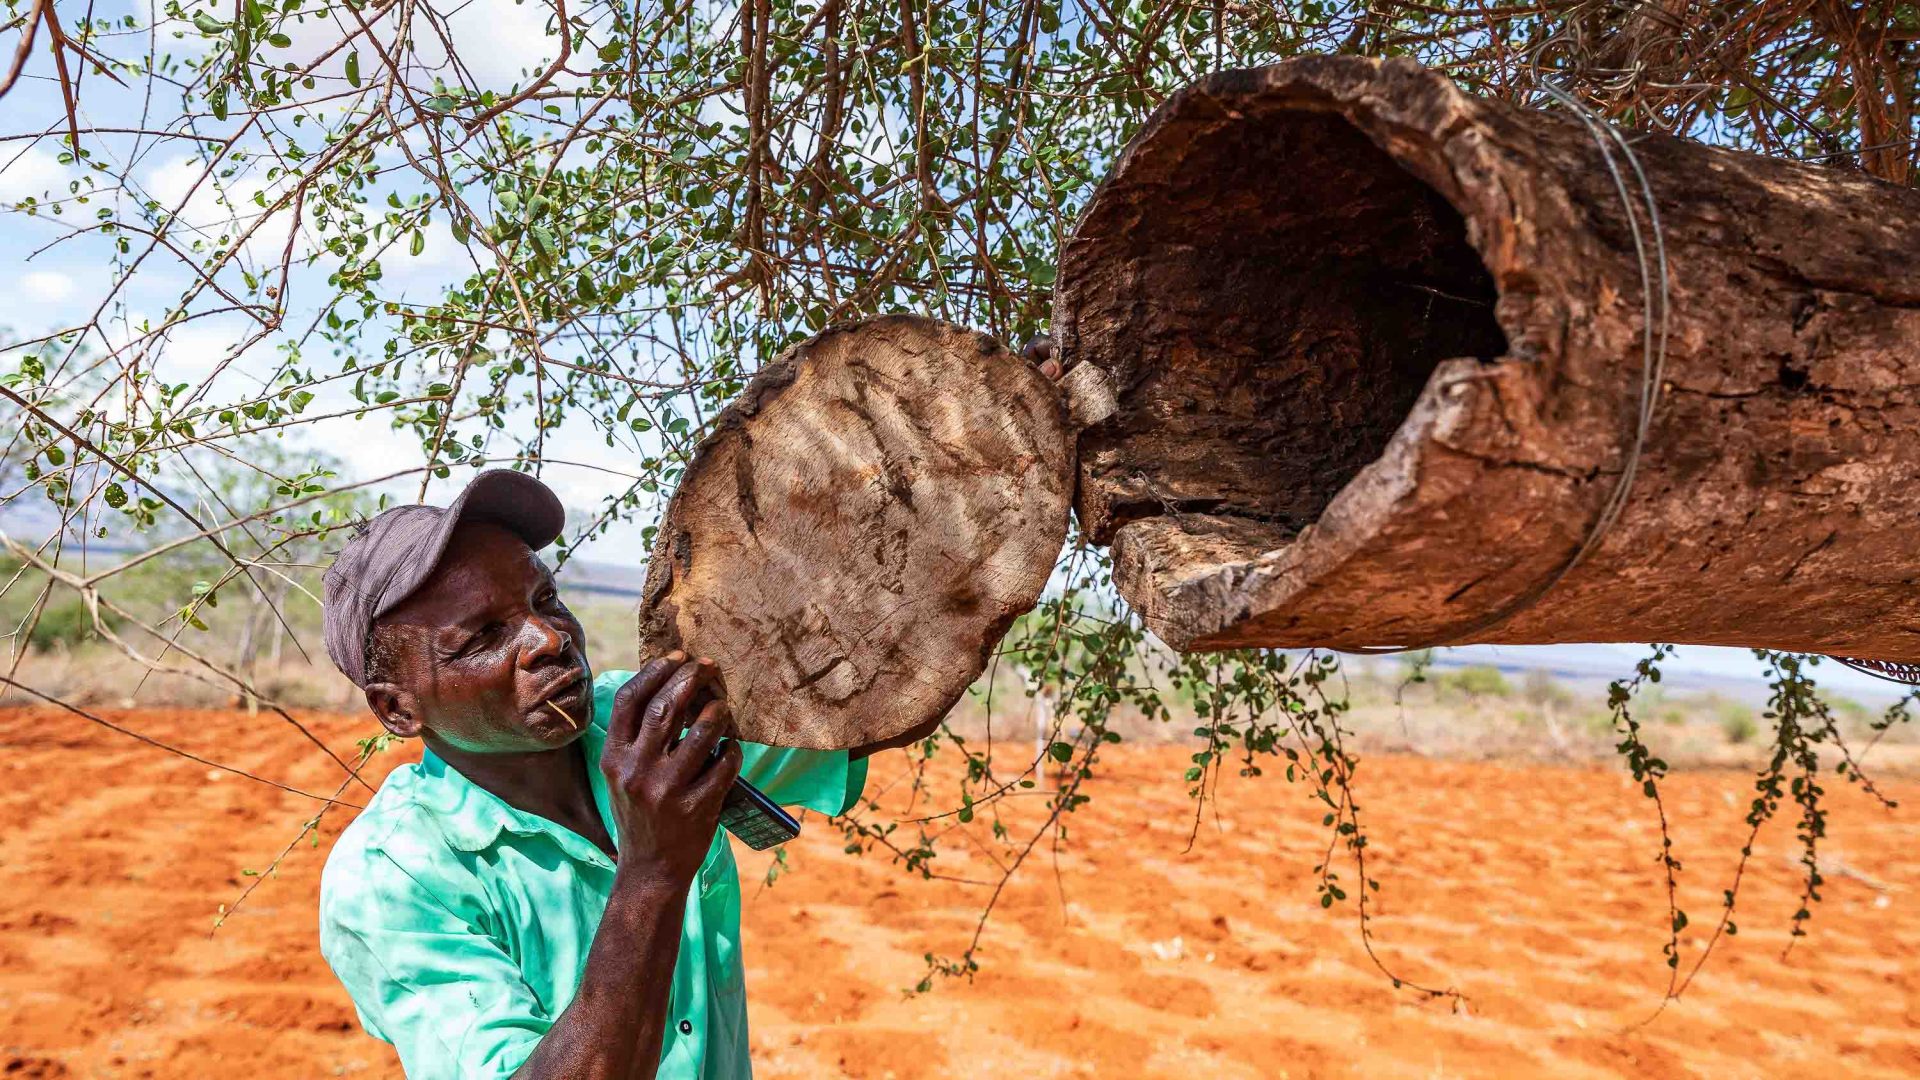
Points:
(860, 528)
(1376, 348)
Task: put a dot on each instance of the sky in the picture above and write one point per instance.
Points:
(56, 282)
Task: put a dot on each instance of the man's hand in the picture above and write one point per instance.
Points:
(1039, 352)
(666, 798)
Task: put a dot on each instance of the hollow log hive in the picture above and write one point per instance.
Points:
(1376, 346)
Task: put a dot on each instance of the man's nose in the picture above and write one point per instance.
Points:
(544, 639)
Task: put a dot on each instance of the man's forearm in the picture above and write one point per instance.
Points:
(617, 1022)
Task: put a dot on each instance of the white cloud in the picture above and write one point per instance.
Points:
(32, 172)
(222, 207)
(500, 43)
(46, 286)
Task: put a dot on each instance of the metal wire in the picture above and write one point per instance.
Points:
(1890, 670)
(1654, 337)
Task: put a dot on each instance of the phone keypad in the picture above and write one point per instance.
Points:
(739, 816)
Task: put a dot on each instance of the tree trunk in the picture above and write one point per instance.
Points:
(860, 528)
(1377, 347)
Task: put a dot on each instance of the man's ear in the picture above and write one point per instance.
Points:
(397, 707)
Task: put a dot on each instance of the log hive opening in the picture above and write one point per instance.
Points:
(1290, 289)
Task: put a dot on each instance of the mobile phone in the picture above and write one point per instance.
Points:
(757, 821)
(746, 812)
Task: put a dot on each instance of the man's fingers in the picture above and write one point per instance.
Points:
(624, 723)
(1039, 353)
(690, 757)
(711, 786)
(668, 707)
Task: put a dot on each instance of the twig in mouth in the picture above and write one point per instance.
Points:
(564, 715)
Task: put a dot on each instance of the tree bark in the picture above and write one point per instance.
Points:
(860, 528)
(1377, 351)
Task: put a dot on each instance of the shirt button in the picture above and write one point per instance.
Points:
(686, 1027)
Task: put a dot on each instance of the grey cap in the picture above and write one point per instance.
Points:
(394, 554)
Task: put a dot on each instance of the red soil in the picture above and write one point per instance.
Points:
(1532, 890)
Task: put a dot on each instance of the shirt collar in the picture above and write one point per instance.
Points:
(472, 818)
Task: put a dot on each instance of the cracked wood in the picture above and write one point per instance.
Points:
(860, 527)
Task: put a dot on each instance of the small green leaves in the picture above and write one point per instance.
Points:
(543, 242)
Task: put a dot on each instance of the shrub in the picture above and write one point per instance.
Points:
(1737, 722)
(65, 625)
(1541, 689)
(1478, 680)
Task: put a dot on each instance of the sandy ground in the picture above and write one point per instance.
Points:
(1531, 890)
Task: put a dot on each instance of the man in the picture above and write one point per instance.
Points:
(546, 893)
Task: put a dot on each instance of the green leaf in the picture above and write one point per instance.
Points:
(1061, 751)
(353, 68)
(418, 244)
(280, 41)
(612, 51)
(209, 25)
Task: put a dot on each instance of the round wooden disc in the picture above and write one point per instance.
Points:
(860, 528)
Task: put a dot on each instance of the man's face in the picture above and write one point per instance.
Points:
(484, 656)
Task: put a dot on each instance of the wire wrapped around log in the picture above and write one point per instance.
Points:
(1377, 353)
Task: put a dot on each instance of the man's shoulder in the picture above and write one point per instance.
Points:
(396, 831)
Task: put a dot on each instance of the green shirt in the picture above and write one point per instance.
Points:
(460, 925)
